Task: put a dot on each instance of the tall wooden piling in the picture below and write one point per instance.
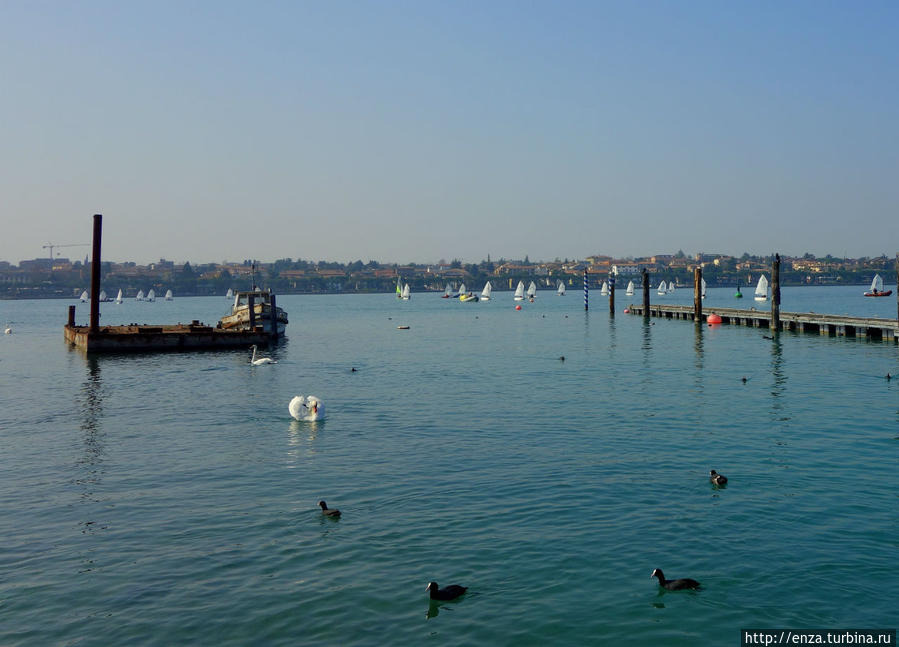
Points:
(897, 288)
(95, 275)
(775, 293)
(251, 303)
(611, 294)
(71, 323)
(645, 293)
(586, 292)
(274, 318)
(697, 294)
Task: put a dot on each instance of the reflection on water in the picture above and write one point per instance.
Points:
(646, 358)
(93, 437)
(699, 354)
(94, 450)
(779, 378)
(300, 438)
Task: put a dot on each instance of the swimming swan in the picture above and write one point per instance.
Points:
(308, 408)
(261, 360)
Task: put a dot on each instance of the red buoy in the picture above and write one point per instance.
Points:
(518, 307)
(714, 319)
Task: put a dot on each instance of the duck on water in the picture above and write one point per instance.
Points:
(450, 592)
(674, 585)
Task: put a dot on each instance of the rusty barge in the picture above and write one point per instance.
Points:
(132, 338)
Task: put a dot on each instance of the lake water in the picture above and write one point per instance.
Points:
(170, 499)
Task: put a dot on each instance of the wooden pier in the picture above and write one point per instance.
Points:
(804, 322)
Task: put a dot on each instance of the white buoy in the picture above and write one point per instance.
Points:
(307, 408)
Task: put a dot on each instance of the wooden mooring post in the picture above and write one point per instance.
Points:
(586, 292)
(697, 294)
(251, 303)
(645, 293)
(71, 316)
(95, 275)
(611, 294)
(897, 287)
(274, 318)
(775, 294)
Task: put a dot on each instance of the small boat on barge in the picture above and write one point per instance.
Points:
(239, 317)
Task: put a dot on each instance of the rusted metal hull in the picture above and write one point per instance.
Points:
(240, 320)
(180, 337)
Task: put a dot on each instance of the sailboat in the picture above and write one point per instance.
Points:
(84, 297)
(169, 296)
(229, 294)
(604, 290)
(630, 289)
(877, 288)
(486, 292)
(671, 286)
(399, 288)
(560, 289)
(532, 291)
(103, 297)
(151, 295)
(446, 292)
(663, 288)
(761, 290)
(118, 298)
(519, 291)
(702, 289)
(406, 294)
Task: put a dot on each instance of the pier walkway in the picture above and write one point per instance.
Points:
(807, 322)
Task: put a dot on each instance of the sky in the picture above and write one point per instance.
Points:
(421, 130)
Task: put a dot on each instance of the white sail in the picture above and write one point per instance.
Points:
(630, 289)
(487, 291)
(229, 294)
(446, 292)
(702, 288)
(519, 291)
(561, 289)
(84, 297)
(670, 287)
(407, 293)
(151, 295)
(604, 290)
(761, 290)
(463, 290)
(118, 298)
(140, 296)
(399, 288)
(663, 288)
(169, 296)
(532, 290)
(103, 296)
(877, 284)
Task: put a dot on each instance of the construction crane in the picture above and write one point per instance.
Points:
(52, 246)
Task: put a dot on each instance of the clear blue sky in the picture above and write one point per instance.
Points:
(421, 130)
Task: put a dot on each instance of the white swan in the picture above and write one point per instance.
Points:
(8, 330)
(261, 360)
(308, 408)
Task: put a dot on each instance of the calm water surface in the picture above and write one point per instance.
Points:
(170, 499)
